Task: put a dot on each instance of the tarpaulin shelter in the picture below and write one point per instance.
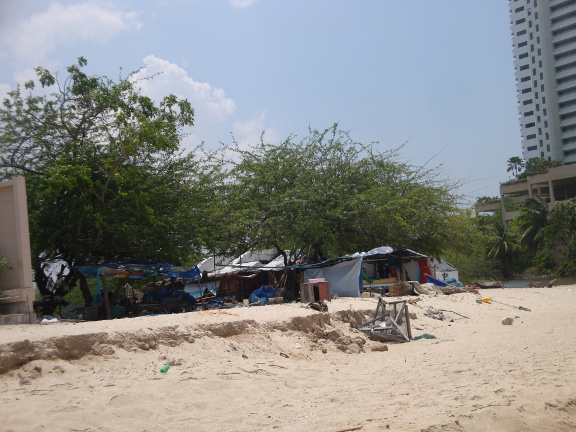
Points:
(133, 270)
(238, 277)
(378, 267)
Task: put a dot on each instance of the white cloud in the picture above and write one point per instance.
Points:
(212, 108)
(32, 40)
(241, 4)
(248, 133)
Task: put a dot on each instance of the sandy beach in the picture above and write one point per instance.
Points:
(290, 368)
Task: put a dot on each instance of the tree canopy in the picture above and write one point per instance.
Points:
(105, 175)
(326, 195)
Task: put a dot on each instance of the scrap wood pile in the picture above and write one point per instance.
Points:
(432, 289)
(401, 289)
(442, 314)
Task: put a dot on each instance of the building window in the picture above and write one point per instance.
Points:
(542, 87)
(548, 147)
(527, 102)
(540, 143)
(529, 113)
(543, 98)
(524, 67)
(529, 137)
(530, 125)
(525, 79)
(526, 90)
(531, 36)
(522, 44)
(537, 107)
(535, 83)
(535, 14)
(538, 39)
(540, 133)
(529, 23)
(523, 56)
(541, 75)
(540, 63)
(531, 48)
(537, 27)
(520, 9)
(532, 148)
(547, 136)
(544, 111)
(539, 51)
(545, 123)
(520, 21)
(521, 32)
(538, 121)
(533, 59)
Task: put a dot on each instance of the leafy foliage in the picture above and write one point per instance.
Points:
(515, 164)
(105, 176)
(327, 195)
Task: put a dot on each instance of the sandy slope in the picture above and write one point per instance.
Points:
(288, 368)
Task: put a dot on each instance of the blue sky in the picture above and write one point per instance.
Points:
(438, 74)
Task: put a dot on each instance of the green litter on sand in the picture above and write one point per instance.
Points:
(165, 368)
(425, 336)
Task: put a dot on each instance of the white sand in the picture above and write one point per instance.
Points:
(275, 368)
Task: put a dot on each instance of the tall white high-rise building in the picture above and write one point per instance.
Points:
(544, 40)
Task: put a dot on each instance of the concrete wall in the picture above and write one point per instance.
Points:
(16, 282)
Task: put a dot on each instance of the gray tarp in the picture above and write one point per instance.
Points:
(344, 277)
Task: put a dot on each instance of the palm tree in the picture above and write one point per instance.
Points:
(515, 164)
(503, 246)
(533, 218)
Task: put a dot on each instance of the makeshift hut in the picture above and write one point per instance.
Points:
(130, 270)
(443, 270)
(374, 270)
(237, 278)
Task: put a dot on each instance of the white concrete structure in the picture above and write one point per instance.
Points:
(16, 282)
(544, 41)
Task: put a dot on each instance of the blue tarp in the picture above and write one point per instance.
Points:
(136, 270)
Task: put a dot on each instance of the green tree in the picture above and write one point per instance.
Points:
(105, 176)
(560, 239)
(502, 243)
(533, 218)
(327, 195)
(515, 164)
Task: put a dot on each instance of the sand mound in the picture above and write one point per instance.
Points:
(287, 368)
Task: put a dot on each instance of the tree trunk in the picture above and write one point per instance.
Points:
(85, 289)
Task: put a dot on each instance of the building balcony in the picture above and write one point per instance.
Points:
(564, 23)
(563, 36)
(566, 73)
(568, 110)
(567, 98)
(566, 61)
(569, 134)
(568, 122)
(565, 85)
(565, 48)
